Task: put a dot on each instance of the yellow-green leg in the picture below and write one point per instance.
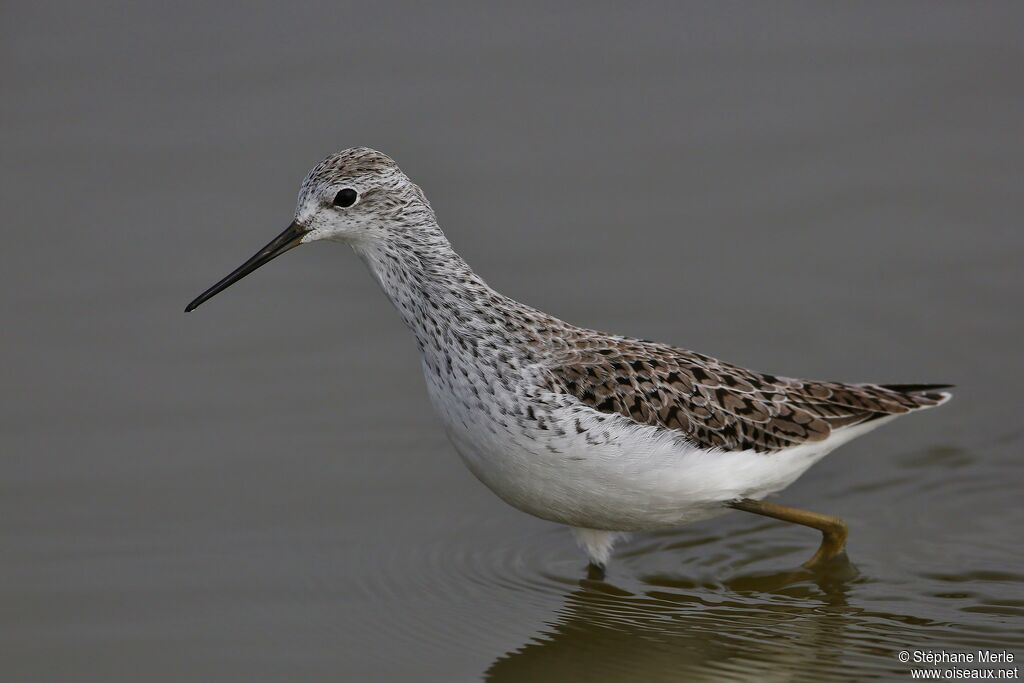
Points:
(833, 530)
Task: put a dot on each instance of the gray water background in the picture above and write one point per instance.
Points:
(259, 490)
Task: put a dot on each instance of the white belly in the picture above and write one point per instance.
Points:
(636, 478)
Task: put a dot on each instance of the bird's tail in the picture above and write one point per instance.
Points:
(925, 395)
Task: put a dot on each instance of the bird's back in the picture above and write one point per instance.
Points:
(715, 404)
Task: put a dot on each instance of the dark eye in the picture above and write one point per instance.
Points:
(346, 198)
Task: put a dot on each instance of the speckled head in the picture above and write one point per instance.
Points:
(358, 196)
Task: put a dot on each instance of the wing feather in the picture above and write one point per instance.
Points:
(714, 404)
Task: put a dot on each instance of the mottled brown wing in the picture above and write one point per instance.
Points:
(714, 404)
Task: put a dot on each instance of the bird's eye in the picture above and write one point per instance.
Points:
(346, 198)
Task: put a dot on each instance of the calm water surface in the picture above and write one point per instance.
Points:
(259, 491)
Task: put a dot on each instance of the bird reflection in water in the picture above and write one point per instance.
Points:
(764, 626)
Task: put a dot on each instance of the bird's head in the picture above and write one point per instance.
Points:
(358, 196)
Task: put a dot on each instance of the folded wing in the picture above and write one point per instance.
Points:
(717, 405)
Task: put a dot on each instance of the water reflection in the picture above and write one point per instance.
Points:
(791, 625)
(673, 632)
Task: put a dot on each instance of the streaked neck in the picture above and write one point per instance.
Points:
(433, 289)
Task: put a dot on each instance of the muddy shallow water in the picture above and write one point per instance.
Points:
(259, 491)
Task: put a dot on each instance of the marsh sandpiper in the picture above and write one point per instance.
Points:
(602, 433)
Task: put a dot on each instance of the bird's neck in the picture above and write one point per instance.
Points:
(433, 289)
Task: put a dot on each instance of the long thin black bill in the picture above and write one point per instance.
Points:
(290, 238)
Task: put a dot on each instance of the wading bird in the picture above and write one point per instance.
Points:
(605, 434)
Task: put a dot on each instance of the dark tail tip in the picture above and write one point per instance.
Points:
(932, 392)
(916, 388)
